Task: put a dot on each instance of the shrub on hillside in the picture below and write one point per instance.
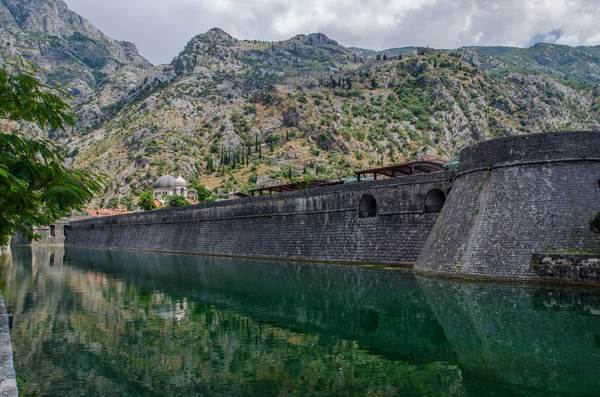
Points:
(176, 201)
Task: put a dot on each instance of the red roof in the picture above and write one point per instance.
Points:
(106, 212)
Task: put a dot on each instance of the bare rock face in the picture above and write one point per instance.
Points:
(291, 118)
(479, 59)
(71, 51)
(64, 28)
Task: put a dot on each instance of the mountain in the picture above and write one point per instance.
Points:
(276, 112)
(389, 52)
(575, 66)
(95, 69)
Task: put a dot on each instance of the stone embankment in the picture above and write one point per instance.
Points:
(567, 267)
(8, 382)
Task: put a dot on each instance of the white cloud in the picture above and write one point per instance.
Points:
(160, 28)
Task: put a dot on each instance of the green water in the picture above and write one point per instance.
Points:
(109, 323)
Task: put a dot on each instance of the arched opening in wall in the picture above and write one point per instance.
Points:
(52, 231)
(66, 229)
(434, 201)
(369, 320)
(367, 207)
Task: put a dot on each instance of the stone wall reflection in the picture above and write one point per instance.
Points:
(532, 337)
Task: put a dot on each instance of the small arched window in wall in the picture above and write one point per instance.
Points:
(66, 229)
(367, 207)
(434, 201)
(52, 231)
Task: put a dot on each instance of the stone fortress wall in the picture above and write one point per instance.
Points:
(315, 224)
(513, 197)
(510, 198)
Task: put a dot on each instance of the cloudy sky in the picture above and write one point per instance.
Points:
(161, 28)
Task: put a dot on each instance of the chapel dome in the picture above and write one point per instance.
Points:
(164, 182)
(180, 181)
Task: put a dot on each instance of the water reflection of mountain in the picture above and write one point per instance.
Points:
(381, 309)
(128, 323)
(94, 331)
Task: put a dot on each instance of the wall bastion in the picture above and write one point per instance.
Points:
(514, 197)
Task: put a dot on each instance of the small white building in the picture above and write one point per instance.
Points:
(166, 185)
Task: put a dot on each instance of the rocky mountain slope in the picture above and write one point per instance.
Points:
(95, 69)
(234, 114)
(574, 66)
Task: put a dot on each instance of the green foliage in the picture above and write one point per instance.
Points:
(37, 189)
(595, 223)
(240, 124)
(127, 202)
(113, 202)
(568, 65)
(146, 201)
(176, 201)
(273, 139)
(374, 84)
(24, 98)
(203, 194)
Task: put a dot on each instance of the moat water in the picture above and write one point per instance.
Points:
(110, 323)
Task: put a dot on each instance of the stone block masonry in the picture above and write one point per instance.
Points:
(514, 197)
(580, 268)
(315, 224)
